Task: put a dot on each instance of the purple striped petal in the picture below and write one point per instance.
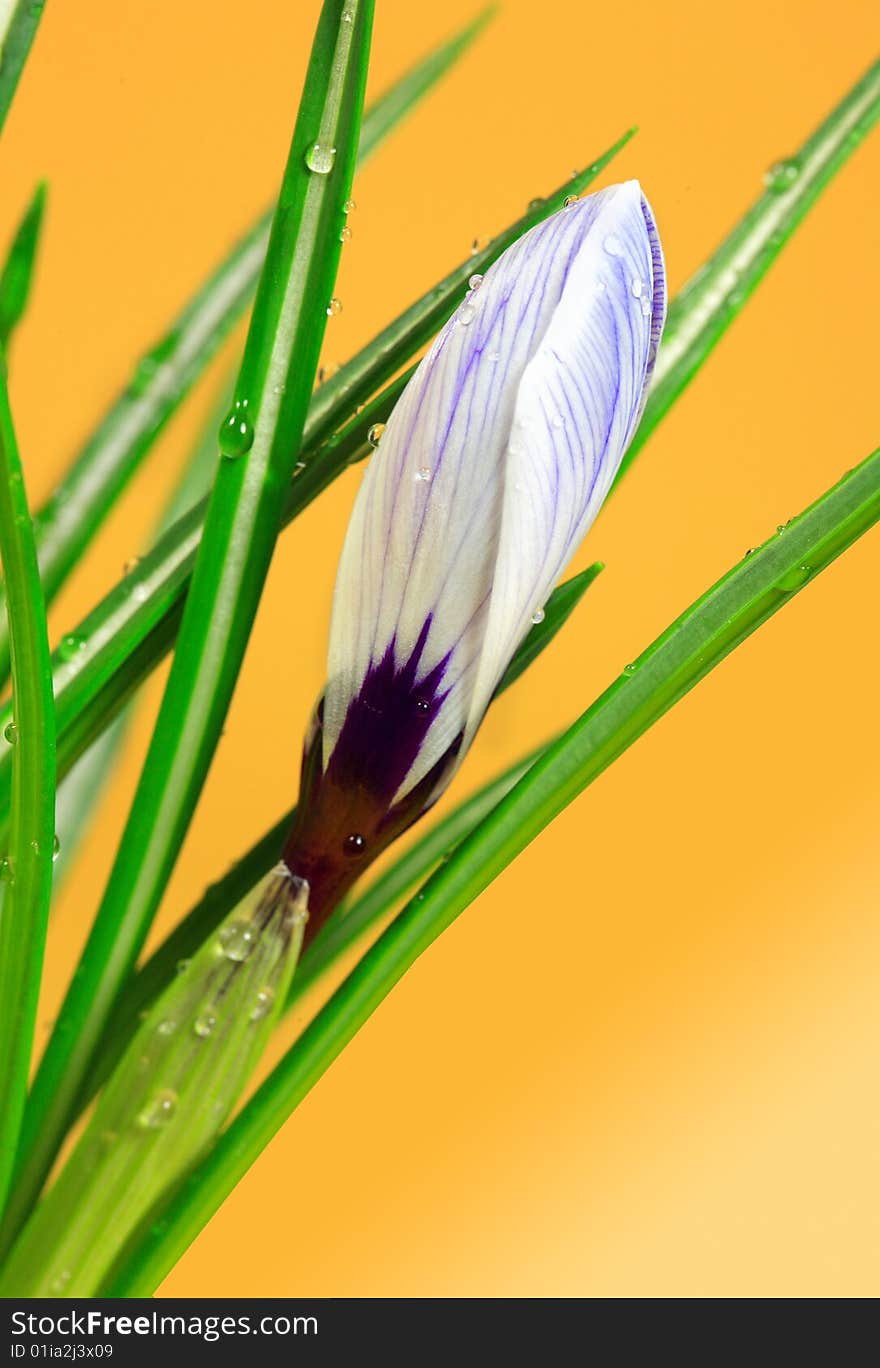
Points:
(492, 467)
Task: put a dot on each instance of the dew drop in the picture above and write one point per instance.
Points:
(70, 646)
(569, 201)
(10, 731)
(646, 306)
(237, 940)
(236, 431)
(423, 475)
(493, 357)
(374, 436)
(538, 616)
(781, 175)
(637, 287)
(534, 204)
(206, 1022)
(7, 870)
(355, 844)
(166, 1027)
(56, 847)
(334, 308)
(263, 1005)
(345, 234)
(158, 1111)
(475, 281)
(320, 158)
(629, 670)
(423, 705)
(466, 314)
(613, 246)
(349, 206)
(793, 579)
(558, 421)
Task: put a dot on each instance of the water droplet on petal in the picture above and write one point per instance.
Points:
(569, 201)
(10, 731)
(237, 940)
(423, 474)
(558, 421)
(781, 175)
(320, 158)
(159, 1110)
(493, 357)
(355, 844)
(538, 616)
(466, 314)
(334, 308)
(613, 246)
(475, 281)
(423, 705)
(374, 436)
(205, 1023)
(236, 431)
(637, 287)
(263, 1005)
(646, 306)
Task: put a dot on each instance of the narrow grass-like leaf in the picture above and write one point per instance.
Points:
(169, 1096)
(18, 269)
(27, 866)
(101, 470)
(688, 650)
(344, 925)
(259, 442)
(102, 661)
(703, 310)
(18, 27)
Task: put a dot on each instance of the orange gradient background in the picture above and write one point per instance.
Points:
(645, 1062)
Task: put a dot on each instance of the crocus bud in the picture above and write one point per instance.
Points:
(492, 467)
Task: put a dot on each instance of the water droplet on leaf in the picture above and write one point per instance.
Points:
(320, 158)
(236, 431)
(334, 307)
(345, 234)
(374, 436)
(159, 1110)
(538, 616)
(263, 1004)
(237, 940)
(205, 1023)
(10, 731)
(782, 175)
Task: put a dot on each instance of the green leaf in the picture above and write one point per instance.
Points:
(703, 310)
(18, 270)
(162, 378)
(27, 867)
(101, 662)
(712, 627)
(18, 28)
(259, 442)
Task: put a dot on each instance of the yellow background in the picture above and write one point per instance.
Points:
(645, 1063)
